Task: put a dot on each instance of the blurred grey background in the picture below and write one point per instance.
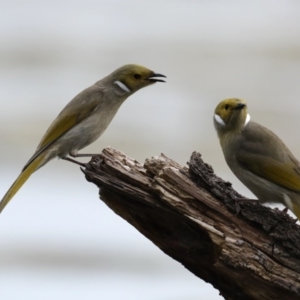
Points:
(57, 239)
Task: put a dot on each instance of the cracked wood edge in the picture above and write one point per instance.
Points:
(190, 214)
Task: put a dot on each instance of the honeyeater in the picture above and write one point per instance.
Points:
(257, 156)
(84, 119)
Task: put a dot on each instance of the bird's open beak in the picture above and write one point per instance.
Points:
(240, 106)
(153, 78)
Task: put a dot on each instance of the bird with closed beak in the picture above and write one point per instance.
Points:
(84, 119)
(258, 157)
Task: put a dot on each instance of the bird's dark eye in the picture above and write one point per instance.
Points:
(137, 76)
(226, 107)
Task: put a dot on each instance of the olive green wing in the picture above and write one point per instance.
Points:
(77, 110)
(285, 174)
(65, 122)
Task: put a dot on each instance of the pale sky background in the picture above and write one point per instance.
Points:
(57, 239)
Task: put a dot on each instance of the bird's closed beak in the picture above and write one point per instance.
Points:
(153, 78)
(240, 106)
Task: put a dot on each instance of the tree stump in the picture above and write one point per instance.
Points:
(245, 250)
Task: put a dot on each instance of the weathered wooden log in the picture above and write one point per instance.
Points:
(245, 250)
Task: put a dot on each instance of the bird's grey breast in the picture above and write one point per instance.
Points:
(93, 126)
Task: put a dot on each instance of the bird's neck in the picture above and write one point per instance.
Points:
(229, 141)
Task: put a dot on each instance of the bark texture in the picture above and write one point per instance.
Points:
(245, 250)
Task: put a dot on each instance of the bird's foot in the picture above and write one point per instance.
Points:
(74, 161)
(82, 154)
(285, 211)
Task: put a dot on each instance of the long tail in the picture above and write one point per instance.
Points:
(34, 165)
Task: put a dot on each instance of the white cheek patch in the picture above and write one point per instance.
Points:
(219, 120)
(122, 86)
(247, 119)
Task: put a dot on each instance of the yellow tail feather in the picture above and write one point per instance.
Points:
(21, 180)
(296, 210)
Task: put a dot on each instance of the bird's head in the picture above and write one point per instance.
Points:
(130, 78)
(231, 115)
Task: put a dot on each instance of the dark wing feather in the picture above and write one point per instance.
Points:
(265, 155)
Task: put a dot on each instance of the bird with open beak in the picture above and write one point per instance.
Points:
(84, 119)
